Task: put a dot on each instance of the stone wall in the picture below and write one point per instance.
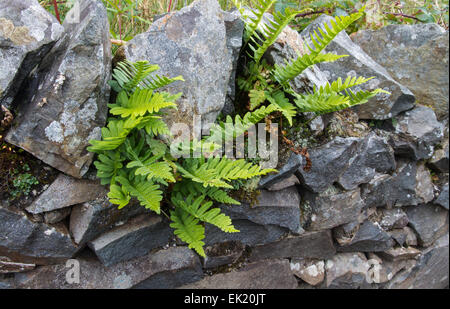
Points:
(371, 212)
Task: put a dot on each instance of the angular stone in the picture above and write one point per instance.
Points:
(281, 208)
(331, 208)
(133, 239)
(416, 133)
(274, 274)
(310, 271)
(294, 163)
(67, 191)
(8, 266)
(412, 54)
(393, 219)
(57, 215)
(399, 253)
(27, 33)
(431, 271)
(383, 106)
(315, 245)
(24, 241)
(172, 267)
(64, 104)
(374, 155)
(89, 220)
(329, 162)
(250, 234)
(429, 222)
(191, 42)
(347, 271)
(383, 271)
(442, 199)
(439, 160)
(288, 182)
(409, 185)
(222, 254)
(369, 238)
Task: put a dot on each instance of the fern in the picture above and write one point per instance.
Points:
(146, 192)
(283, 105)
(188, 229)
(108, 165)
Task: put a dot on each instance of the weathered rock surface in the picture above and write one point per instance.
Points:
(383, 106)
(57, 215)
(286, 183)
(429, 222)
(329, 162)
(399, 253)
(274, 274)
(315, 245)
(89, 220)
(369, 238)
(442, 199)
(409, 185)
(168, 266)
(133, 239)
(431, 271)
(191, 42)
(331, 208)
(24, 241)
(373, 155)
(27, 33)
(394, 218)
(310, 271)
(347, 271)
(293, 164)
(9, 266)
(67, 191)
(416, 133)
(404, 236)
(439, 160)
(222, 254)
(281, 208)
(65, 103)
(412, 54)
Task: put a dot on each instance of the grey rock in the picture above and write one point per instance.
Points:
(428, 221)
(64, 104)
(191, 42)
(369, 238)
(286, 183)
(27, 33)
(57, 215)
(399, 253)
(89, 220)
(9, 266)
(24, 241)
(274, 274)
(135, 238)
(280, 208)
(347, 271)
(440, 158)
(394, 218)
(67, 191)
(442, 199)
(315, 245)
(412, 54)
(409, 185)
(310, 271)
(331, 208)
(222, 254)
(329, 162)
(172, 266)
(416, 133)
(6, 283)
(373, 155)
(383, 106)
(384, 270)
(431, 271)
(250, 234)
(293, 164)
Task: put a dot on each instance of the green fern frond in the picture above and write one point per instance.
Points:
(188, 229)
(108, 165)
(339, 86)
(158, 81)
(146, 192)
(192, 188)
(118, 196)
(132, 75)
(363, 96)
(257, 97)
(154, 126)
(253, 23)
(156, 170)
(283, 105)
(112, 136)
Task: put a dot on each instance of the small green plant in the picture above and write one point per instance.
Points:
(136, 163)
(22, 182)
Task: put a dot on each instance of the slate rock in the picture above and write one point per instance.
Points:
(331, 208)
(281, 208)
(373, 155)
(57, 215)
(440, 158)
(416, 133)
(394, 218)
(222, 254)
(310, 271)
(90, 219)
(24, 241)
(399, 253)
(273, 274)
(9, 266)
(293, 164)
(347, 271)
(383, 106)
(172, 266)
(329, 162)
(412, 54)
(315, 245)
(428, 221)
(409, 185)
(67, 191)
(191, 42)
(64, 104)
(369, 238)
(27, 33)
(442, 199)
(286, 183)
(135, 238)
(404, 236)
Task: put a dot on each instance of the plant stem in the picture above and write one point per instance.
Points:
(55, 5)
(402, 15)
